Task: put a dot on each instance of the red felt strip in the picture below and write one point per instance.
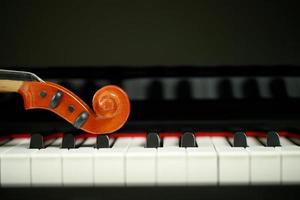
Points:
(162, 134)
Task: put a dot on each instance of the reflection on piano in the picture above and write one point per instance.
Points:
(207, 128)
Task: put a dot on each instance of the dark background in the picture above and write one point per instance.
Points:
(145, 33)
(63, 34)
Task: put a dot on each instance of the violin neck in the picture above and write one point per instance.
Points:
(12, 81)
(10, 85)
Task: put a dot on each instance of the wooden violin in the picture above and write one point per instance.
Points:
(111, 106)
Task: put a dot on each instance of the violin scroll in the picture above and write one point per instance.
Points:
(111, 106)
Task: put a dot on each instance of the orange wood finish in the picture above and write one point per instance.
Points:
(111, 105)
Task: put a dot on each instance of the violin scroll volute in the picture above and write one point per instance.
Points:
(111, 104)
(106, 102)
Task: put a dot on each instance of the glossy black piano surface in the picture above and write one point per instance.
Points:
(236, 192)
(176, 98)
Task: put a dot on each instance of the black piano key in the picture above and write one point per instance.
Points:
(188, 140)
(37, 141)
(152, 140)
(224, 89)
(155, 90)
(102, 141)
(240, 140)
(183, 90)
(68, 141)
(278, 88)
(273, 139)
(251, 89)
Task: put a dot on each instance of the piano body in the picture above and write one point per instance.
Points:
(197, 130)
(214, 88)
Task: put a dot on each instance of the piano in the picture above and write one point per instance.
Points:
(190, 128)
(214, 88)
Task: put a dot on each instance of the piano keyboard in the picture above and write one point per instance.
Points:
(213, 161)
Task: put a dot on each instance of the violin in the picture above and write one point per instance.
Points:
(111, 106)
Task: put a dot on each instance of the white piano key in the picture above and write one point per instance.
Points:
(263, 140)
(200, 88)
(285, 142)
(219, 142)
(16, 165)
(136, 88)
(7, 146)
(109, 163)
(170, 142)
(231, 141)
(234, 162)
(140, 164)
(253, 142)
(204, 142)
(202, 163)
(78, 165)
(49, 142)
(265, 163)
(296, 141)
(212, 83)
(79, 141)
(46, 165)
(171, 163)
(237, 90)
(263, 85)
(290, 162)
(89, 142)
(122, 142)
(292, 86)
(137, 142)
(169, 87)
(10, 144)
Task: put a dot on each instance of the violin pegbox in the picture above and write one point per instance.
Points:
(110, 103)
(111, 106)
